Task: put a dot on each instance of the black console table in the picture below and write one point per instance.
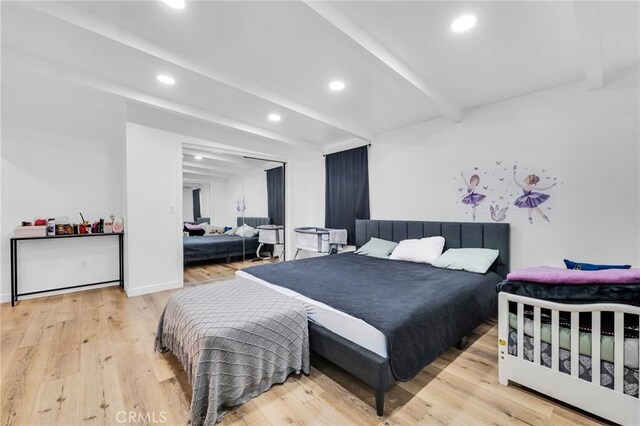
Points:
(14, 262)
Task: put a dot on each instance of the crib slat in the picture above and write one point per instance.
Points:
(595, 348)
(618, 365)
(575, 343)
(536, 335)
(555, 340)
(520, 331)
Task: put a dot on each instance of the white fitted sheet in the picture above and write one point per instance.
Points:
(351, 328)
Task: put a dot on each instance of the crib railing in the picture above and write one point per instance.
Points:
(533, 374)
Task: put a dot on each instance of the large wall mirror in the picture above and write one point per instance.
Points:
(262, 207)
(233, 211)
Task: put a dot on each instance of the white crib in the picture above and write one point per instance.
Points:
(610, 404)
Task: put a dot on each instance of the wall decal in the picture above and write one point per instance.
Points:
(531, 200)
(472, 198)
(498, 192)
(241, 206)
(498, 214)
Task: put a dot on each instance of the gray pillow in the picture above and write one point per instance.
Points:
(252, 233)
(377, 248)
(231, 231)
(467, 259)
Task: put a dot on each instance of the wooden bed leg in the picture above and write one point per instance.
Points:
(380, 401)
(462, 343)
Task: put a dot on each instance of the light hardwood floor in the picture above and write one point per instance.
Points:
(81, 358)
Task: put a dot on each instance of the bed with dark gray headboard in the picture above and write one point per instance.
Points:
(212, 247)
(421, 310)
(456, 235)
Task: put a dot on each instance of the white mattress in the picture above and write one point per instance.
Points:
(351, 328)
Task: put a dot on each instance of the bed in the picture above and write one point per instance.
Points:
(384, 320)
(211, 247)
(545, 327)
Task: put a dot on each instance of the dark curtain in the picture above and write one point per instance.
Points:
(347, 190)
(275, 195)
(196, 205)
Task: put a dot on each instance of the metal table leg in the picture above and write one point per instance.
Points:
(13, 274)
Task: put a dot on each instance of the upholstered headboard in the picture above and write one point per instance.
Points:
(456, 235)
(254, 222)
(201, 220)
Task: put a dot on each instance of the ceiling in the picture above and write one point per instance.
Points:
(236, 62)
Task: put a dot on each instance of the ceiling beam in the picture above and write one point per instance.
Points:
(207, 173)
(216, 157)
(186, 180)
(40, 66)
(214, 168)
(240, 153)
(91, 23)
(588, 23)
(335, 17)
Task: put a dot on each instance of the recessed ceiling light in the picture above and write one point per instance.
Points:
(274, 117)
(463, 23)
(166, 79)
(336, 85)
(176, 4)
(198, 157)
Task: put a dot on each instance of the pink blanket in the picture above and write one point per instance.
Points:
(550, 275)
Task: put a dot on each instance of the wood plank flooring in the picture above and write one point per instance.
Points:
(87, 359)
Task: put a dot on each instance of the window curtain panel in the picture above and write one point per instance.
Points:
(275, 195)
(347, 190)
(196, 205)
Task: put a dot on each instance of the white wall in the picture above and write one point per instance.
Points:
(588, 140)
(62, 153)
(154, 232)
(187, 204)
(205, 200)
(222, 206)
(253, 185)
(305, 182)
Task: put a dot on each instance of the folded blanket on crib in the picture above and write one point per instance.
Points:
(550, 275)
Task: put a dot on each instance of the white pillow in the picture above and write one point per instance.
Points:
(424, 250)
(244, 230)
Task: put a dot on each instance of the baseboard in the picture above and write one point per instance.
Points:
(154, 288)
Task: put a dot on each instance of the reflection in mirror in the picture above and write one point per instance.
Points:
(263, 220)
(233, 210)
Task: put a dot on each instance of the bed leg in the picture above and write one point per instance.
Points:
(462, 343)
(380, 401)
(228, 259)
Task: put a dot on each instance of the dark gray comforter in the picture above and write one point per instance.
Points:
(209, 247)
(422, 310)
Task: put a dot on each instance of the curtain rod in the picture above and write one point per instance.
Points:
(367, 145)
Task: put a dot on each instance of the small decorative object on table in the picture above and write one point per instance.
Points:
(64, 229)
(118, 225)
(30, 231)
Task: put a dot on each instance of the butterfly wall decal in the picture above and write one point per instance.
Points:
(498, 163)
(485, 187)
